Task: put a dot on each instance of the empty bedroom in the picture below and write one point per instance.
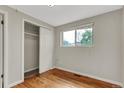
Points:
(61, 46)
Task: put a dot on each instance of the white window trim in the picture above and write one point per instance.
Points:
(76, 28)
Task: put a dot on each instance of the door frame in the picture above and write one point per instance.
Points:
(37, 24)
(5, 56)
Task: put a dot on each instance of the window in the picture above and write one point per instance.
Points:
(78, 37)
(69, 38)
(84, 37)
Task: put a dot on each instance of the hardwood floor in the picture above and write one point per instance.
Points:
(31, 73)
(57, 78)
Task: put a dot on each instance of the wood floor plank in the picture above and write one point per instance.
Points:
(57, 78)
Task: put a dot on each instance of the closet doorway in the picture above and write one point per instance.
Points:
(31, 49)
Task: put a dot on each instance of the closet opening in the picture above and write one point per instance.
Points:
(31, 49)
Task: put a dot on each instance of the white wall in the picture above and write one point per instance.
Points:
(122, 47)
(15, 43)
(103, 60)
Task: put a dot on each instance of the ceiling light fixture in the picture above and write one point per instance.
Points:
(50, 5)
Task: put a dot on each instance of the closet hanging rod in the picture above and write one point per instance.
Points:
(31, 34)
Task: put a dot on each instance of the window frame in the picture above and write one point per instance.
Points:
(61, 41)
(75, 29)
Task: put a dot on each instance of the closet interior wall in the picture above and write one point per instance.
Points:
(31, 47)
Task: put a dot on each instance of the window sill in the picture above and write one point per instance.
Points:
(77, 46)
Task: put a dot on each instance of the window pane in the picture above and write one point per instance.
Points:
(84, 36)
(69, 38)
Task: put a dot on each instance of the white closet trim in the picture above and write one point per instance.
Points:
(37, 24)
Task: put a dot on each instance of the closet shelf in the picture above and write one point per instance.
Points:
(31, 34)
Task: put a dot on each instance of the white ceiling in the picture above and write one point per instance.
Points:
(59, 15)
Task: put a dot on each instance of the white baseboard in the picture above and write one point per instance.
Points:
(31, 69)
(15, 83)
(95, 77)
(45, 70)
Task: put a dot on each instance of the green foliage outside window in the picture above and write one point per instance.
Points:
(86, 38)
